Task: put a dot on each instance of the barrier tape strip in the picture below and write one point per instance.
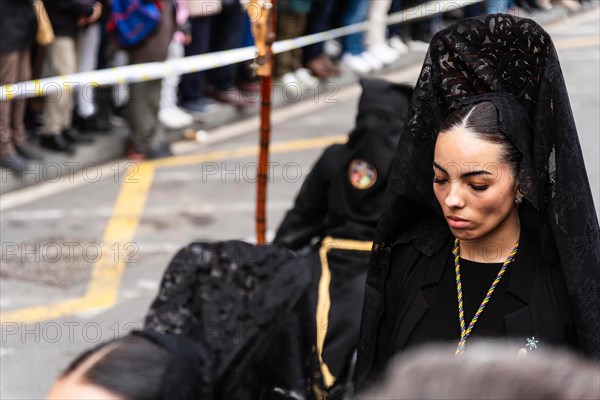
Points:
(202, 62)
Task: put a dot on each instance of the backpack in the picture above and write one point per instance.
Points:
(134, 20)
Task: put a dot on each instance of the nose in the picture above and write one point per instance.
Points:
(455, 198)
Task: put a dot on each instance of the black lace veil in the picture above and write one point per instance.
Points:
(512, 62)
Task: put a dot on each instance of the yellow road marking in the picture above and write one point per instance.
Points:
(278, 147)
(102, 291)
(103, 288)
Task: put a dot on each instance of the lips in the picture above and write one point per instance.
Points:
(457, 223)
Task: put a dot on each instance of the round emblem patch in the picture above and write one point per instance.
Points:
(362, 174)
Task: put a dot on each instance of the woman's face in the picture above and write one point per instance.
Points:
(475, 189)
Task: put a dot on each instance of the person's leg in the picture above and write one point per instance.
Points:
(395, 7)
(496, 6)
(142, 113)
(319, 20)
(355, 12)
(286, 29)
(375, 34)
(18, 108)
(62, 59)
(9, 64)
(227, 34)
(192, 85)
(299, 27)
(87, 49)
(168, 94)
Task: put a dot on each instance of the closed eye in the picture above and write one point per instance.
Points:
(479, 187)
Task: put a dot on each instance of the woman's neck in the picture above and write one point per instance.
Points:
(494, 247)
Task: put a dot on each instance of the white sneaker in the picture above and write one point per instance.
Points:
(332, 48)
(356, 64)
(174, 118)
(289, 78)
(374, 62)
(418, 46)
(306, 78)
(385, 53)
(292, 87)
(396, 43)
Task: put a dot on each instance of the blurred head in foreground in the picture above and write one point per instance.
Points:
(487, 372)
(145, 365)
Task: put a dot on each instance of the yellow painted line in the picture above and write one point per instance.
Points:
(278, 147)
(104, 284)
(103, 288)
(584, 41)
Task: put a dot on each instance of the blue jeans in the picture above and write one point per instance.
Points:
(498, 6)
(356, 11)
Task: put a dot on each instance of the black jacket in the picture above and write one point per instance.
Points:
(19, 25)
(64, 15)
(412, 277)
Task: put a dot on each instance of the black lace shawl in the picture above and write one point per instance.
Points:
(236, 301)
(501, 58)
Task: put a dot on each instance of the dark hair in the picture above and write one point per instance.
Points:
(482, 120)
(133, 368)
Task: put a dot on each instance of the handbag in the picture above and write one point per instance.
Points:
(134, 20)
(45, 32)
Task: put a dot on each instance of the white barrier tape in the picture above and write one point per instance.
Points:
(202, 62)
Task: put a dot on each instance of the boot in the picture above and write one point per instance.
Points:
(14, 163)
(56, 143)
(28, 152)
(73, 136)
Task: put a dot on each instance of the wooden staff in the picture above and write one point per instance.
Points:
(263, 19)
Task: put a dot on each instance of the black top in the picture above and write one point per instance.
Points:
(64, 15)
(441, 324)
(19, 25)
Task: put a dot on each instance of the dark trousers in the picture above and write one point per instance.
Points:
(143, 107)
(192, 85)
(289, 25)
(396, 6)
(415, 30)
(227, 33)
(320, 19)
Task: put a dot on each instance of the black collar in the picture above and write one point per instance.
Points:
(523, 268)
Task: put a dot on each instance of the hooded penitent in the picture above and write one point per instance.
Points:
(512, 62)
(343, 194)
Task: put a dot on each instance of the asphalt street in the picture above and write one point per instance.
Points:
(82, 258)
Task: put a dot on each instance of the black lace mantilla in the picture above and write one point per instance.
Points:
(235, 299)
(484, 56)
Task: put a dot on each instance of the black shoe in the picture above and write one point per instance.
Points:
(14, 162)
(28, 152)
(102, 124)
(56, 143)
(161, 151)
(73, 136)
(92, 124)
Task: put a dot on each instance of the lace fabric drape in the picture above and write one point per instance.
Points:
(485, 56)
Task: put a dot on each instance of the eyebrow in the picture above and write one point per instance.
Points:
(466, 174)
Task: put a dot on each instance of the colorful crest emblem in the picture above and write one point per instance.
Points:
(362, 174)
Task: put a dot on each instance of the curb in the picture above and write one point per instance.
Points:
(230, 122)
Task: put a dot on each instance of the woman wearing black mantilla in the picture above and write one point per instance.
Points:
(490, 231)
